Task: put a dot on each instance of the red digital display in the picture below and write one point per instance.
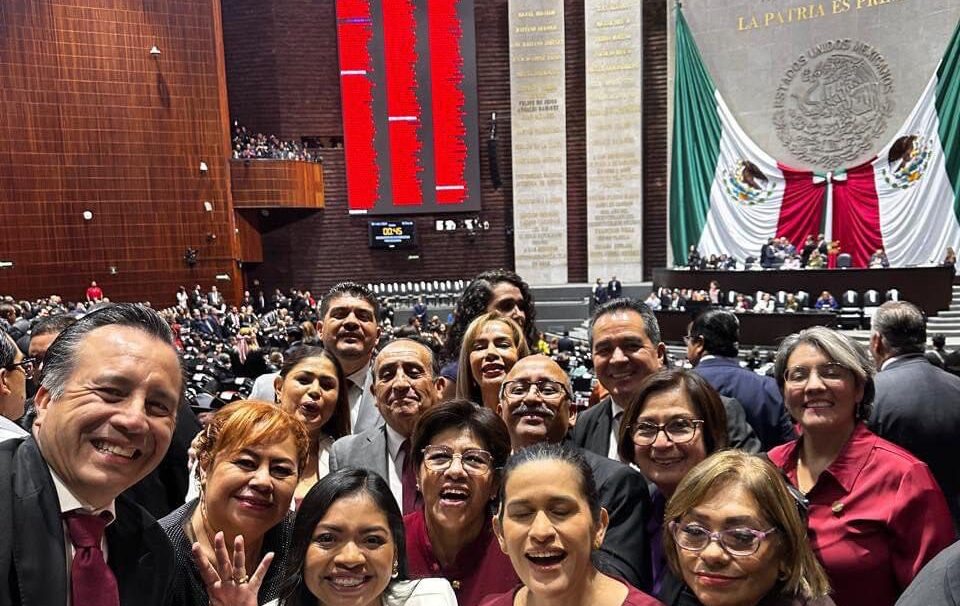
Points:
(408, 88)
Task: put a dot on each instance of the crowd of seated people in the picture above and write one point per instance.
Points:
(382, 469)
(249, 145)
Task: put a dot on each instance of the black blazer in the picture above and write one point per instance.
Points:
(592, 430)
(32, 561)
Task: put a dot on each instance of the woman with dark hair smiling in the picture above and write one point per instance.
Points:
(877, 514)
(348, 550)
(459, 450)
(311, 386)
(550, 522)
(491, 346)
(676, 421)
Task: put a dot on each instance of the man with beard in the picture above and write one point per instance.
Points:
(349, 330)
(406, 382)
(535, 404)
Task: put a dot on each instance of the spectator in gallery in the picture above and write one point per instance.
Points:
(809, 245)
(600, 294)
(727, 262)
(791, 303)
(614, 288)
(791, 262)
(711, 262)
(766, 304)
(713, 293)
(937, 355)
(182, 297)
(826, 301)
(949, 258)
(768, 254)
(742, 304)
(879, 260)
(816, 260)
(420, 311)
(94, 293)
(822, 244)
(653, 301)
(693, 257)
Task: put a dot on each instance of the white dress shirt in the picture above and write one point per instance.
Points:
(616, 412)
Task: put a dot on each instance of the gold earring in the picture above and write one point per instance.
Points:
(396, 569)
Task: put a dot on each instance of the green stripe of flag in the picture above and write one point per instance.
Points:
(948, 111)
(696, 144)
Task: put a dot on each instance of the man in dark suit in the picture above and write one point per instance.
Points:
(107, 405)
(535, 404)
(614, 288)
(938, 584)
(406, 382)
(916, 405)
(625, 337)
(712, 347)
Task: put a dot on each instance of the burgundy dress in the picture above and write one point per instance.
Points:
(480, 569)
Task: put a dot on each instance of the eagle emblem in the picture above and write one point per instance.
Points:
(907, 161)
(744, 183)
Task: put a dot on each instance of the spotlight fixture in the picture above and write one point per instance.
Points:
(154, 51)
(87, 215)
(203, 167)
(208, 206)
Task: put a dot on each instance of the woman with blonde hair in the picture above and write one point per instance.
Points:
(738, 537)
(491, 346)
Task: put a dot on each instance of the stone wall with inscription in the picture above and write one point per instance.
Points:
(614, 138)
(821, 84)
(538, 116)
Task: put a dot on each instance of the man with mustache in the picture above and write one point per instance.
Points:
(107, 406)
(406, 382)
(535, 405)
(349, 330)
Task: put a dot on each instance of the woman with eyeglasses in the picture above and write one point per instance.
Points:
(676, 421)
(550, 523)
(15, 371)
(459, 449)
(491, 346)
(877, 514)
(736, 537)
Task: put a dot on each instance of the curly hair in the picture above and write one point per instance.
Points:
(474, 301)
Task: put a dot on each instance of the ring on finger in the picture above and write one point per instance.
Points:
(241, 580)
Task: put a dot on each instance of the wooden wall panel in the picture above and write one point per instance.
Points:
(248, 232)
(93, 123)
(576, 60)
(276, 183)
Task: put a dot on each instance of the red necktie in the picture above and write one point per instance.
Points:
(408, 479)
(92, 583)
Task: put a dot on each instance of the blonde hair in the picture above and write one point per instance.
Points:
(803, 574)
(466, 386)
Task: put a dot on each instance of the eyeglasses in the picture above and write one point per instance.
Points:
(829, 372)
(738, 542)
(678, 431)
(550, 391)
(475, 462)
(27, 365)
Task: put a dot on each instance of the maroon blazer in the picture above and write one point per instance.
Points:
(635, 597)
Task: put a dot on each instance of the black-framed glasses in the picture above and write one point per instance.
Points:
(739, 542)
(26, 365)
(678, 431)
(475, 461)
(830, 371)
(550, 391)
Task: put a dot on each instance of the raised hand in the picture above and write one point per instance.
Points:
(227, 582)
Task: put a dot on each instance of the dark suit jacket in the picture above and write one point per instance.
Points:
(761, 400)
(625, 551)
(32, 563)
(917, 406)
(592, 430)
(938, 584)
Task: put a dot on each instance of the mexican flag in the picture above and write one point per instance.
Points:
(726, 194)
(907, 199)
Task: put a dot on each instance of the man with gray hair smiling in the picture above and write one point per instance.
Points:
(107, 405)
(917, 405)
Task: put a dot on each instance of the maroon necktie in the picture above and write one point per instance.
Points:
(91, 581)
(408, 479)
